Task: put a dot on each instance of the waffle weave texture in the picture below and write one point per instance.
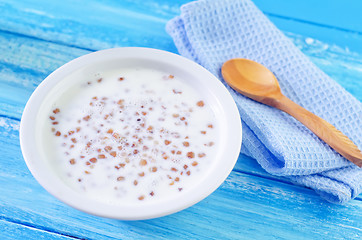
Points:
(212, 32)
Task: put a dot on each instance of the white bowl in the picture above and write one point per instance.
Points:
(210, 88)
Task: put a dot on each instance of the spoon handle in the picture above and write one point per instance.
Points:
(324, 130)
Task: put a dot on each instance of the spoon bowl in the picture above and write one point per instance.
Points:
(244, 76)
(258, 83)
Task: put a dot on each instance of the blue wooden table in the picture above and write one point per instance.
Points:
(36, 37)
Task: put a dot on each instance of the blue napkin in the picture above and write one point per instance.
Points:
(211, 32)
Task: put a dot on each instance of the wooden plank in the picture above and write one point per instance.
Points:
(245, 205)
(103, 24)
(86, 24)
(11, 231)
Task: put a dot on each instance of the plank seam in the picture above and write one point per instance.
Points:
(9, 117)
(40, 228)
(46, 40)
(313, 23)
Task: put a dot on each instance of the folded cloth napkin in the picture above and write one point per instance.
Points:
(211, 32)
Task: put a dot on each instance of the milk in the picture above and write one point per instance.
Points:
(129, 136)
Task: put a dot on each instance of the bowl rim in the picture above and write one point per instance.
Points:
(57, 188)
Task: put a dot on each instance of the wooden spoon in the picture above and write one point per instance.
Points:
(259, 83)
